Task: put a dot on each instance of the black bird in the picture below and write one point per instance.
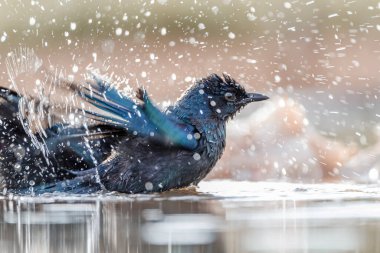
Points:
(132, 147)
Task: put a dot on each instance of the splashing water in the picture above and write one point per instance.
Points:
(47, 102)
(22, 64)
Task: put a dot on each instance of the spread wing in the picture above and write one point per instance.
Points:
(141, 118)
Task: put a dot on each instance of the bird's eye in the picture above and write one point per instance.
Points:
(229, 96)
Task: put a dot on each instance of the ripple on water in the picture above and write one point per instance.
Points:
(217, 216)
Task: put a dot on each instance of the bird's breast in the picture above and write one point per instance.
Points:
(214, 141)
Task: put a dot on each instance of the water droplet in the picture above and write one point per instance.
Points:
(373, 174)
(32, 21)
(197, 136)
(118, 31)
(148, 186)
(215, 10)
(251, 17)
(17, 167)
(73, 26)
(94, 56)
(3, 37)
(231, 35)
(196, 156)
(163, 31)
(19, 152)
(355, 63)
(333, 15)
(251, 61)
(287, 5)
(75, 68)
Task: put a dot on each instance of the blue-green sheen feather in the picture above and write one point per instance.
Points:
(145, 120)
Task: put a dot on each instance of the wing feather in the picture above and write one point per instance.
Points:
(143, 119)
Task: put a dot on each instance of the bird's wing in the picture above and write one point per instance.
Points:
(88, 146)
(66, 146)
(140, 119)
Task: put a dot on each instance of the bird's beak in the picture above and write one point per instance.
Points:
(253, 97)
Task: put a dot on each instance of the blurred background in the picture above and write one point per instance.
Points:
(317, 60)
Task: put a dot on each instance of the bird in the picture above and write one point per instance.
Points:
(131, 146)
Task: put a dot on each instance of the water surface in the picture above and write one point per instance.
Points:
(219, 216)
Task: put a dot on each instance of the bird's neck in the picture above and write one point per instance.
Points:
(197, 113)
(211, 128)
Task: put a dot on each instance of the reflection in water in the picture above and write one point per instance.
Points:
(219, 217)
(181, 229)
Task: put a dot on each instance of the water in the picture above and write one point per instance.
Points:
(219, 216)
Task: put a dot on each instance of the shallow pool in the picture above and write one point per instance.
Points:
(219, 216)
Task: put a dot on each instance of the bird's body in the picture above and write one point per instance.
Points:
(133, 147)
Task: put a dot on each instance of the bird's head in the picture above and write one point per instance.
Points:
(223, 95)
